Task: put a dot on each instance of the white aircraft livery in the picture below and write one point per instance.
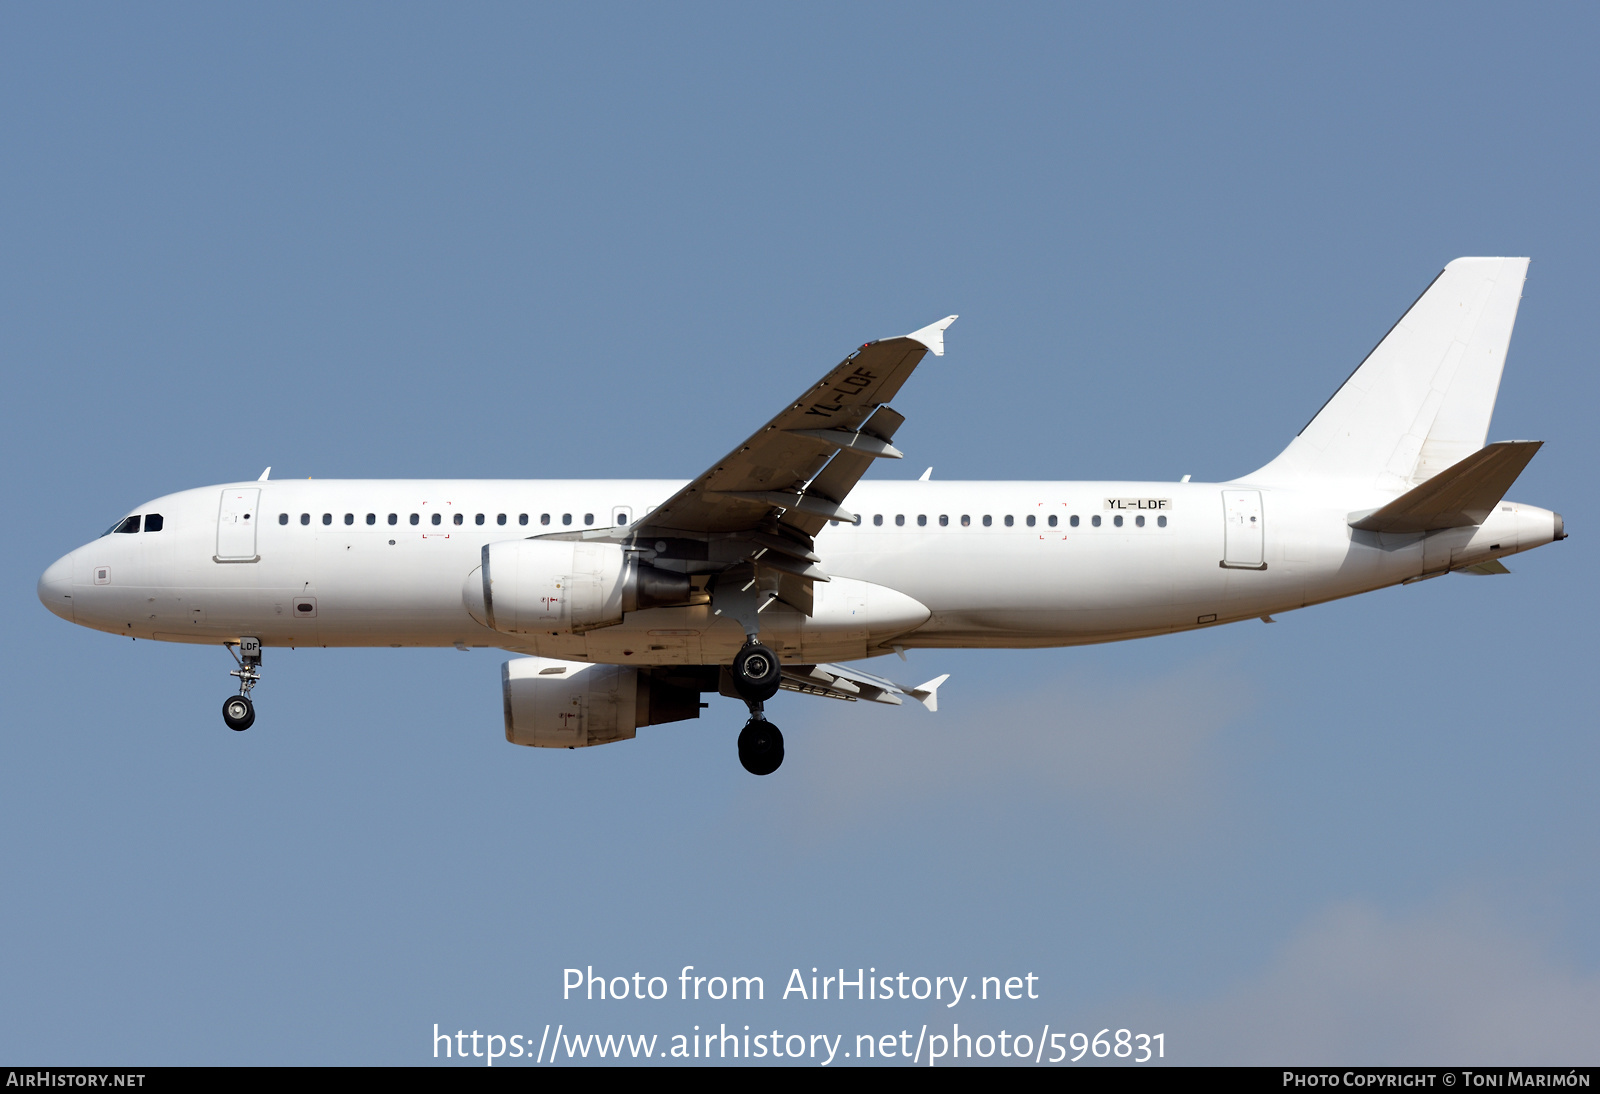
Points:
(632, 598)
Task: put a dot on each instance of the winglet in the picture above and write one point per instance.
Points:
(265, 474)
(932, 335)
(928, 694)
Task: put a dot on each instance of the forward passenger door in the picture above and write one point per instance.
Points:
(236, 525)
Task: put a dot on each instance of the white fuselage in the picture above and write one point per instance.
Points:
(952, 564)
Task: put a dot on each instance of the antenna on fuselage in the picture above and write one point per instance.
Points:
(265, 474)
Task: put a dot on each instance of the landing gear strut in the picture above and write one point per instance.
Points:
(238, 711)
(756, 675)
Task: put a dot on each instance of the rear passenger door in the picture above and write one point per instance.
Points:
(1244, 537)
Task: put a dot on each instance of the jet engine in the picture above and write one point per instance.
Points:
(570, 704)
(534, 586)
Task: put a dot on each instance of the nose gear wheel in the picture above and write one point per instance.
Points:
(239, 712)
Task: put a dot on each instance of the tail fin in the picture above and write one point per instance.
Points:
(1422, 399)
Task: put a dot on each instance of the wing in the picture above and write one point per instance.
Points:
(799, 467)
(843, 682)
(761, 504)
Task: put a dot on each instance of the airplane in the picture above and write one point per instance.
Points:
(628, 600)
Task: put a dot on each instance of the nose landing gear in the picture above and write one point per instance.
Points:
(238, 711)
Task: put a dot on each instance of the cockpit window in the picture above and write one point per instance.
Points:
(130, 524)
(153, 522)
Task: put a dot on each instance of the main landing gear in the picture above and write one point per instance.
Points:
(238, 711)
(756, 675)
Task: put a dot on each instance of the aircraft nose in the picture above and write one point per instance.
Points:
(55, 587)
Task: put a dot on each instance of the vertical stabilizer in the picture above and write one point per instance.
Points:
(1422, 399)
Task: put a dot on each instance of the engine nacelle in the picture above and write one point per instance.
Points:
(535, 586)
(570, 704)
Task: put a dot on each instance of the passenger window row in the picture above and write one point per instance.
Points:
(436, 519)
(1029, 521)
(130, 525)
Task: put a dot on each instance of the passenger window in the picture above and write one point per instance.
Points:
(438, 519)
(415, 519)
(877, 520)
(944, 520)
(1073, 520)
(544, 518)
(1117, 520)
(833, 524)
(1009, 521)
(1095, 520)
(460, 519)
(129, 525)
(349, 518)
(372, 518)
(522, 518)
(588, 518)
(922, 520)
(1139, 521)
(501, 519)
(966, 521)
(1031, 520)
(1052, 520)
(857, 522)
(479, 519)
(987, 520)
(1161, 522)
(394, 518)
(899, 520)
(283, 518)
(305, 518)
(566, 518)
(327, 518)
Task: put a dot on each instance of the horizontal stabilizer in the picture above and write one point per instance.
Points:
(1461, 495)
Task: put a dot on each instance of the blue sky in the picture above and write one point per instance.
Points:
(505, 241)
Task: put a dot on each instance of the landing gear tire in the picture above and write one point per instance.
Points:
(239, 712)
(760, 747)
(756, 673)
